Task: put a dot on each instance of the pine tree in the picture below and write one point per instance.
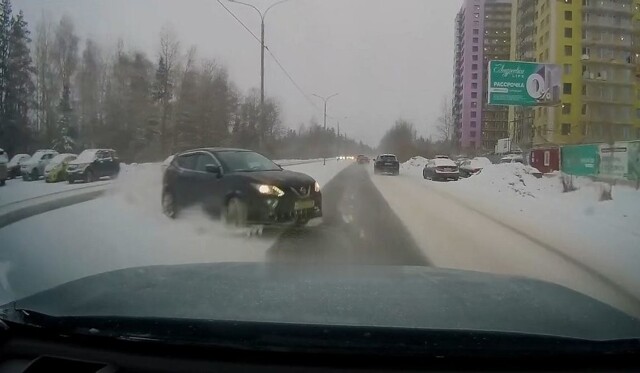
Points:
(66, 132)
(5, 32)
(19, 87)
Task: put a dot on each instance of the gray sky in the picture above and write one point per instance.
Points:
(387, 58)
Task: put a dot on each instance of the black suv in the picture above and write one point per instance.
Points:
(92, 164)
(386, 164)
(240, 186)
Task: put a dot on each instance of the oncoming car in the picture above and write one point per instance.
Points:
(240, 186)
(56, 170)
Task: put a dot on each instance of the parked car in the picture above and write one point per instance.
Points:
(472, 167)
(4, 160)
(33, 169)
(362, 159)
(15, 163)
(441, 169)
(92, 164)
(56, 170)
(442, 157)
(512, 158)
(386, 164)
(240, 186)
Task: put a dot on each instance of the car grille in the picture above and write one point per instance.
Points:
(301, 191)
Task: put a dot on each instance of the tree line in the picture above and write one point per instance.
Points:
(63, 92)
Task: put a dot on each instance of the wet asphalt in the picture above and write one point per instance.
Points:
(358, 227)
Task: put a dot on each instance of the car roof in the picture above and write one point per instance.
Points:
(387, 155)
(214, 150)
(443, 162)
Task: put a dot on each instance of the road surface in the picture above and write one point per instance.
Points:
(368, 219)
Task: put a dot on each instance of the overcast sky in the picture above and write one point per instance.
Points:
(388, 59)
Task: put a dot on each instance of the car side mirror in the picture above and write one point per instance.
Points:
(213, 169)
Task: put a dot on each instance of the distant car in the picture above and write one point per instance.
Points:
(33, 169)
(442, 157)
(441, 169)
(362, 159)
(56, 170)
(386, 164)
(14, 165)
(92, 164)
(4, 173)
(472, 167)
(240, 186)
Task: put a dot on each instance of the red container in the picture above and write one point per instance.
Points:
(545, 159)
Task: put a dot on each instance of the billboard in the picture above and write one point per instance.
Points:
(614, 160)
(580, 160)
(514, 83)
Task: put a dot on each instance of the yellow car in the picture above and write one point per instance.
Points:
(56, 170)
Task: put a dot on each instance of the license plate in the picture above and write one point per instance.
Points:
(304, 205)
(388, 164)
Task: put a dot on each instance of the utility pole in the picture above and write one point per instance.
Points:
(263, 15)
(325, 99)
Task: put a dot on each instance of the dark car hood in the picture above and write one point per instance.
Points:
(284, 177)
(409, 297)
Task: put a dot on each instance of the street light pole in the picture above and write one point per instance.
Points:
(325, 99)
(262, 49)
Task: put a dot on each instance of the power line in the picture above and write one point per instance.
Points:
(272, 56)
(239, 21)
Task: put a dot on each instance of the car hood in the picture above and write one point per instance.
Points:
(279, 178)
(371, 296)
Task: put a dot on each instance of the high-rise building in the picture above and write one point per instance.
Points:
(597, 44)
(482, 33)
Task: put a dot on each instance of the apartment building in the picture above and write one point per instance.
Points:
(482, 33)
(597, 44)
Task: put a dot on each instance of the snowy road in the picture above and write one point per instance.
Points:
(368, 220)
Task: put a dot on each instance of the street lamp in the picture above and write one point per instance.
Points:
(263, 15)
(325, 99)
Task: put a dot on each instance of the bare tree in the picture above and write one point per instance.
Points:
(445, 125)
(65, 51)
(165, 77)
(48, 83)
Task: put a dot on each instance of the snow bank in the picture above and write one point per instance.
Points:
(600, 235)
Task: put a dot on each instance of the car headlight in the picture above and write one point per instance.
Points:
(269, 190)
(317, 187)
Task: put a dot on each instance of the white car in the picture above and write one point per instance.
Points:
(441, 169)
(33, 169)
(14, 164)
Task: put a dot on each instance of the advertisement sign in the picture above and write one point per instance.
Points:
(580, 160)
(514, 83)
(614, 160)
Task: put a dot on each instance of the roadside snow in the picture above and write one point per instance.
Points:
(17, 190)
(604, 236)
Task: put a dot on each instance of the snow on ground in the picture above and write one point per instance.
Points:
(125, 228)
(18, 190)
(601, 235)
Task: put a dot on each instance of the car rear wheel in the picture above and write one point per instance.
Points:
(169, 206)
(235, 213)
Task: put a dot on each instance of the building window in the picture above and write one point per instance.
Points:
(568, 15)
(566, 109)
(566, 88)
(474, 76)
(474, 85)
(474, 48)
(473, 114)
(473, 134)
(637, 113)
(476, 15)
(566, 129)
(567, 68)
(475, 31)
(547, 158)
(475, 95)
(473, 124)
(474, 66)
(584, 109)
(474, 104)
(475, 40)
(472, 144)
(626, 132)
(474, 57)
(568, 50)
(568, 32)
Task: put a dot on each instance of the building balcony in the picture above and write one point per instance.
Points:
(608, 8)
(609, 100)
(626, 45)
(590, 59)
(607, 25)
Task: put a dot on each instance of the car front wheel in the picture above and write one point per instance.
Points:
(88, 177)
(235, 213)
(169, 206)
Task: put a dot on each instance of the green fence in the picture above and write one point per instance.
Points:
(620, 160)
(580, 160)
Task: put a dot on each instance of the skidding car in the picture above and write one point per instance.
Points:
(56, 170)
(240, 186)
(386, 164)
(441, 169)
(34, 167)
(92, 164)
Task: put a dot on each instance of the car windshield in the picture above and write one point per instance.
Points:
(481, 153)
(59, 159)
(86, 156)
(241, 161)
